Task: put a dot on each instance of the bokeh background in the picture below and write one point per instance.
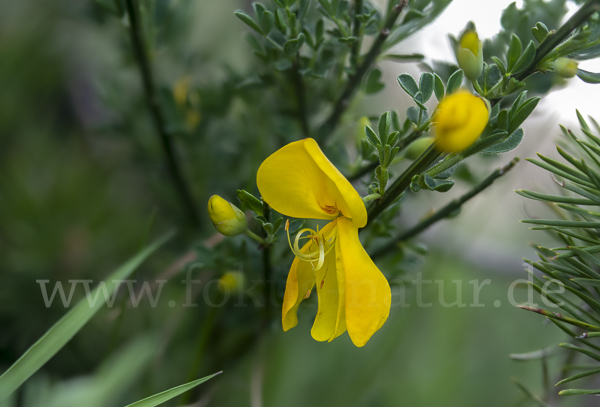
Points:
(82, 184)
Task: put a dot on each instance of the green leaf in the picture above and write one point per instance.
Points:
(348, 40)
(326, 6)
(580, 350)
(62, 332)
(588, 77)
(556, 198)
(408, 84)
(170, 394)
(371, 137)
(500, 65)
(510, 143)
(280, 21)
(563, 223)
(577, 392)
(291, 47)
(373, 83)
(413, 15)
(590, 282)
(537, 354)
(250, 201)
(428, 182)
(502, 122)
(385, 122)
(515, 49)
(518, 102)
(267, 21)
(249, 21)
(438, 87)
(426, 85)
(489, 79)
(526, 58)
(540, 31)
(259, 9)
(412, 114)
(517, 118)
(454, 82)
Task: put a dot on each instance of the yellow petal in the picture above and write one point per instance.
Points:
(299, 181)
(470, 41)
(300, 282)
(459, 121)
(330, 321)
(367, 294)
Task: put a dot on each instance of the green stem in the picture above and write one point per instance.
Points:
(358, 5)
(371, 197)
(444, 212)
(256, 237)
(402, 183)
(158, 119)
(343, 102)
(267, 269)
(560, 317)
(300, 97)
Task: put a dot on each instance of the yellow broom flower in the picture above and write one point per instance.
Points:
(458, 121)
(353, 295)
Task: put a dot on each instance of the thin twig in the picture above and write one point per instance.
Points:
(402, 183)
(358, 5)
(300, 97)
(561, 34)
(367, 168)
(355, 79)
(446, 211)
(267, 268)
(143, 63)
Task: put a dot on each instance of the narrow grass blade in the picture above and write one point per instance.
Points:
(62, 332)
(170, 394)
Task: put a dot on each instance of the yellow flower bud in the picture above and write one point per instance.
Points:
(181, 89)
(417, 147)
(469, 54)
(566, 67)
(227, 218)
(231, 281)
(459, 121)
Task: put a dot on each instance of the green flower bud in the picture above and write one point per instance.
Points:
(469, 54)
(227, 218)
(418, 147)
(566, 67)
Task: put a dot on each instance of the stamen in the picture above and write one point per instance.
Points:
(318, 255)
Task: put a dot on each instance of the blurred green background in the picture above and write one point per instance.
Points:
(83, 186)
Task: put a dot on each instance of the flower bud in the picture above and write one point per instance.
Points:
(469, 54)
(360, 129)
(231, 281)
(459, 120)
(566, 67)
(227, 218)
(418, 147)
